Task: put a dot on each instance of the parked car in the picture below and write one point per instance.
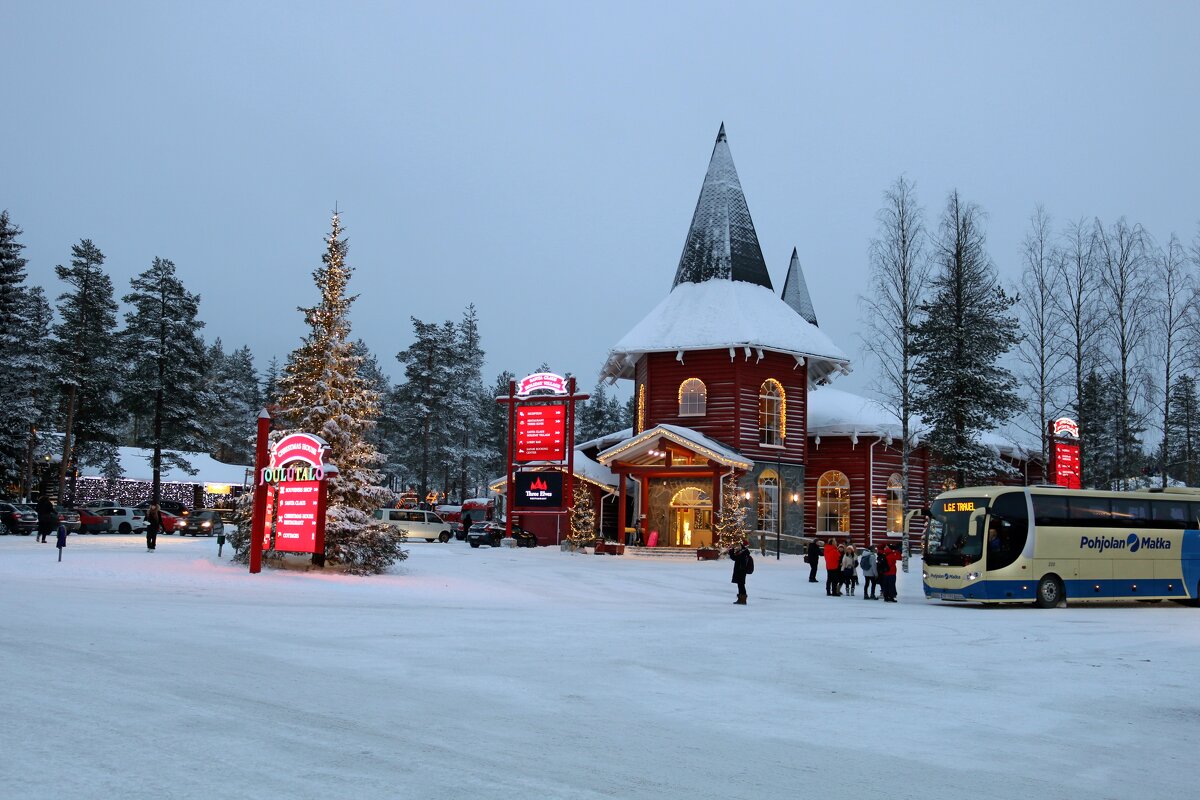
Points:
(123, 519)
(173, 507)
(91, 522)
(205, 522)
(18, 518)
(490, 533)
(70, 518)
(169, 520)
(416, 523)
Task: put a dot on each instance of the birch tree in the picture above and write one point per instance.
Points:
(1175, 309)
(1040, 351)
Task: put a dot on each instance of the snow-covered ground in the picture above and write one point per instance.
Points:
(497, 673)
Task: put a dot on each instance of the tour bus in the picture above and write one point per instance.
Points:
(1046, 544)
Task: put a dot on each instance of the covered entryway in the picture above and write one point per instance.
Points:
(691, 518)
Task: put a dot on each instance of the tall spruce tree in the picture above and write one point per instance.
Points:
(87, 362)
(23, 320)
(469, 447)
(1183, 425)
(166, 367)
(966, 328)
(323, 392)
(495, 418)
(599, 415)
(236, 402)
(421, 397)
(39, 379)
(1098, 402)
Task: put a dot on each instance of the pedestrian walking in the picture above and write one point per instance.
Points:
(850, 569)
(743, 565)
(833, 570)
(870, 576)
(813, 557)
(47, 518)
(153, 526)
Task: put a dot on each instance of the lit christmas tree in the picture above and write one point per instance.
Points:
(583, 515)
(730, 523)
(322, 391)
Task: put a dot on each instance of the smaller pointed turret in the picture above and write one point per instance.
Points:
(795, 290)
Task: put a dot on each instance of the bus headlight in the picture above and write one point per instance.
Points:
(972, 576)
(925, 574)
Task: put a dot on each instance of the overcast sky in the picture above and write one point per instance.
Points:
(542, 161)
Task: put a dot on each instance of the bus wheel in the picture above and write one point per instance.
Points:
(1049, 592)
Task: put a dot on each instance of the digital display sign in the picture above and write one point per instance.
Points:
(539, 490)
(956, 506)
(542, 432)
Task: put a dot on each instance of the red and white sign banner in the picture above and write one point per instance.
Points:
(543, 382)
(542, 432)
(1065, 426)
(1064, 458)
(298, 447)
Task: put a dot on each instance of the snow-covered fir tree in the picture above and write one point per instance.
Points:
(1183, 422)
(495, 424)
(965, 330)
(323, 393)
(237, 400)
(599, 415)
(583, 515)
(469, 447)
(87, 362)
(270, 383)
(166, 363)
(24, 318)
(729, 524)
(421, 399)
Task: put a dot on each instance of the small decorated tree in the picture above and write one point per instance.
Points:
(583, 516)
(730, 523)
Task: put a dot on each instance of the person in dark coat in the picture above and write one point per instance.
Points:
(153, 526)
(885, 565)
(740, 554)
(47, 518)
(813, 556)
(466, 524)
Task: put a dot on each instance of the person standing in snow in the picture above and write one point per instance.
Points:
(833, 570)
(740, 554)
(850, 569)
(47, 518)
(466, 524)
(153, 526)
(870, 580)
(813, 557)
(886, 567)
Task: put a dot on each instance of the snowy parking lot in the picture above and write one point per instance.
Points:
(497, 673)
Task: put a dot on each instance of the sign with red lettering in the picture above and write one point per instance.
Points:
(538, 490)
(541, 382)
(542, 432)
(1065, 464)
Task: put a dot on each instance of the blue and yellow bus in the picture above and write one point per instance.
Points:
(1048, 545)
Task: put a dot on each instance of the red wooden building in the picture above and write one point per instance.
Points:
(722, 367)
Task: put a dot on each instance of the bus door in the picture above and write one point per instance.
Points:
(1007, 530)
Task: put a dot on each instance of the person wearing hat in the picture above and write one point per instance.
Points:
(868, 563)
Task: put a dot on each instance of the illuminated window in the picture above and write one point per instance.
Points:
(772, 413)
(693, 398)
(641, 409)
(833, 503)
(768, 501)
(895, 504)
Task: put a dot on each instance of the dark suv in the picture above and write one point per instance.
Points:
(490, 533)
(18, 518)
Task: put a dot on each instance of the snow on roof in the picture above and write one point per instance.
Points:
(607, 440)
(719, 314)
(833, 412)
(136, 465)
(795, 290)
(677, 433)
(584, 467)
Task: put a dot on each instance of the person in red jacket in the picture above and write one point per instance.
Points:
(833, 569)
(887, 572)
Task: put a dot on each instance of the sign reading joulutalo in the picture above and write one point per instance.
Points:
(295, 486)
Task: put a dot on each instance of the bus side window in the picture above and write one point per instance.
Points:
(1130, 513)
(1090, 512)
(1050, 509)
(1169, 514)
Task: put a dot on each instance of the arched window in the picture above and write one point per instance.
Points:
(693, 398)
(772, 413)
(768, 501)
(833, 503)
(895, 504)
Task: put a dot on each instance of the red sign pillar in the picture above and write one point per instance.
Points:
(259, 516)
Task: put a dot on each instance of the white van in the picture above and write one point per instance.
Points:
(418, 524)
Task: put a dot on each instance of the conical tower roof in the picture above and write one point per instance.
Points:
(722, 242)
(795, 290)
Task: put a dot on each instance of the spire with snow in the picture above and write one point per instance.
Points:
(795, 290)
(722, 242)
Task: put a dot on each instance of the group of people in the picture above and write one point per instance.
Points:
(842, 563)
(844, 560)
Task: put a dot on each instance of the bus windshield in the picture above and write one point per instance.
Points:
(952, 540)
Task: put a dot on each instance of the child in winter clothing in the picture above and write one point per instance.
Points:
(850, 569)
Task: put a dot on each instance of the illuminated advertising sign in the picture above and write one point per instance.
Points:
(539, 490)
(542, 432)
(294, 488)
(1064, 460)
(1065, 426)
(541, 382)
